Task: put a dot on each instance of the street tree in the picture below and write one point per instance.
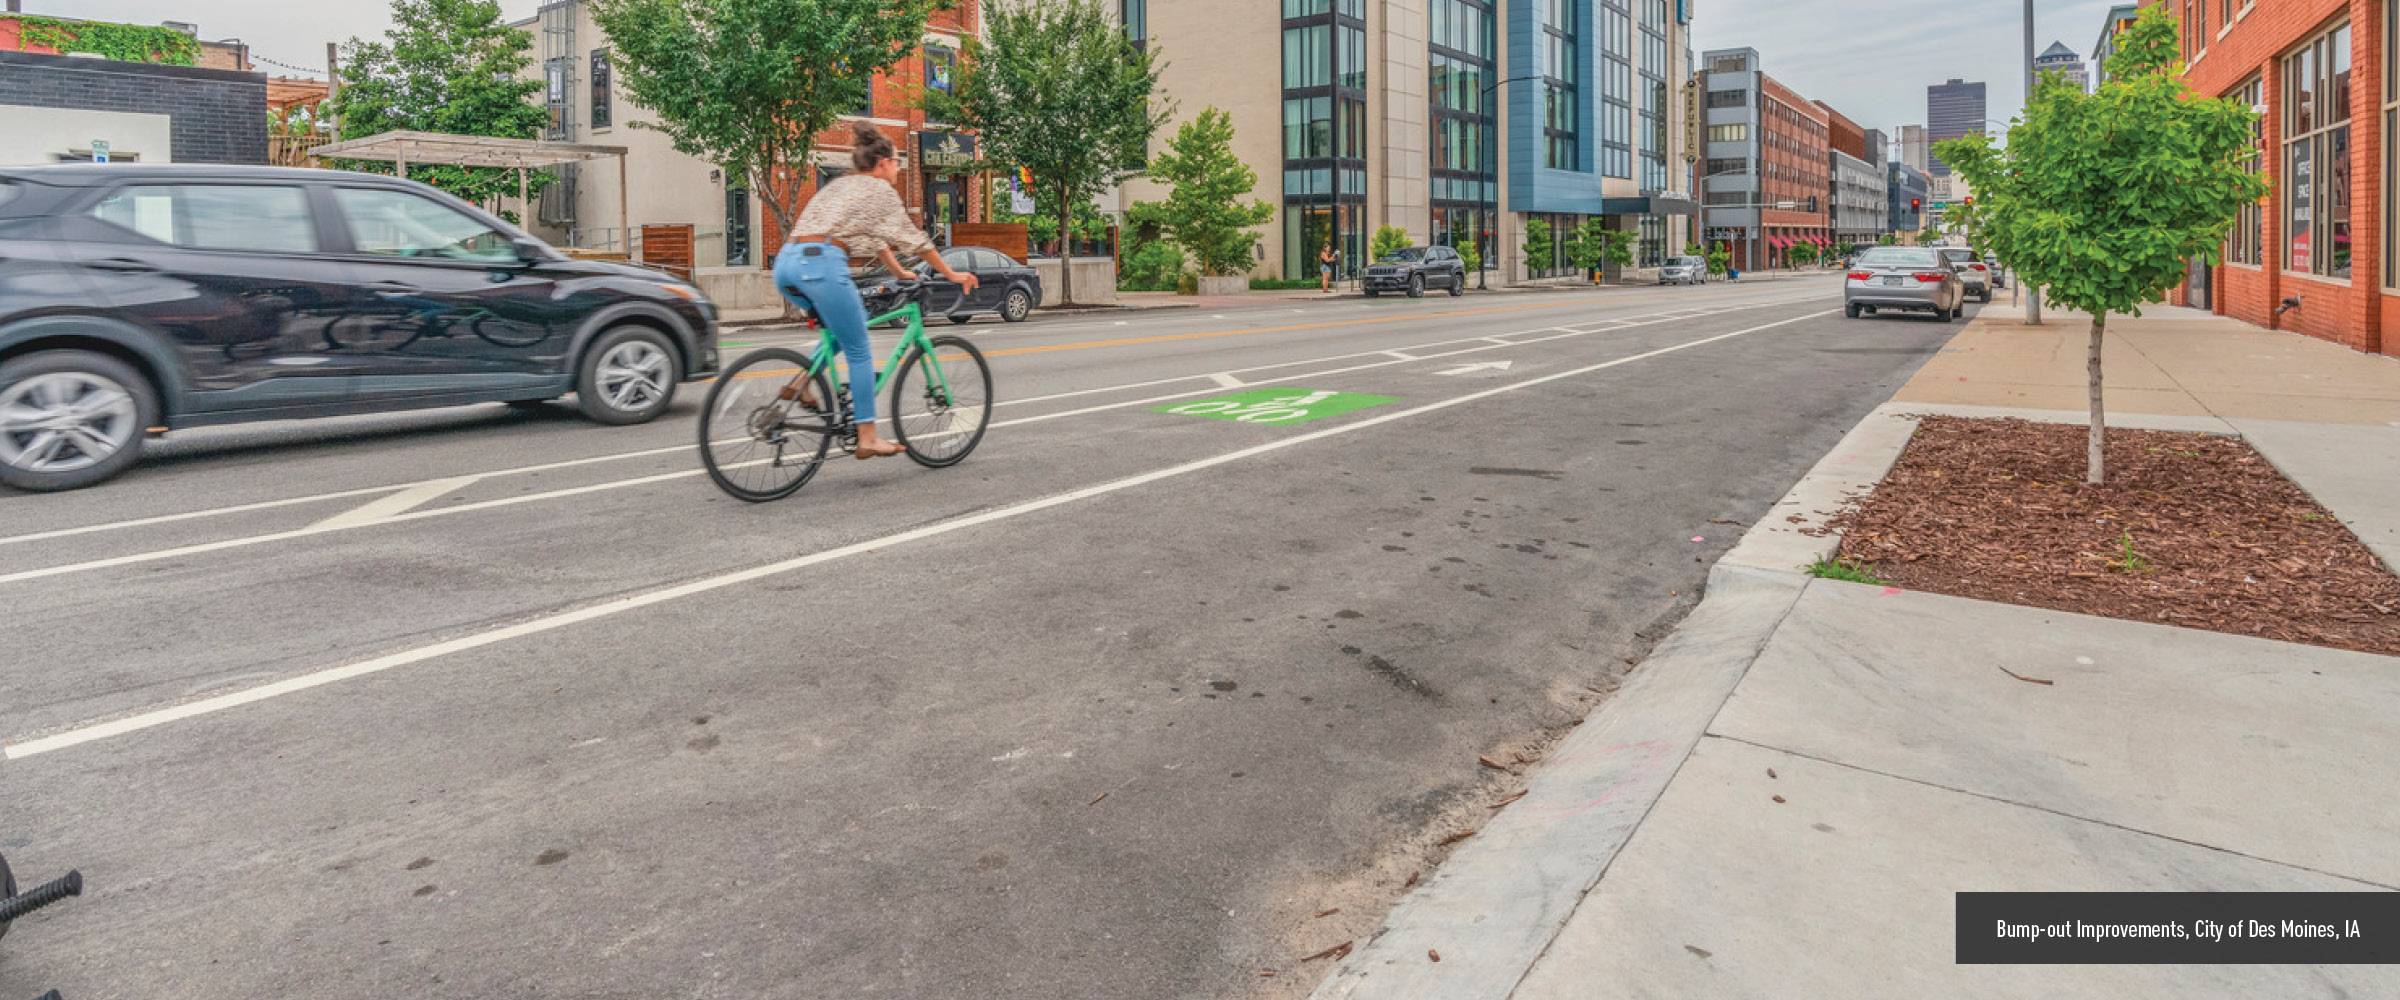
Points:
(1055, 87)
(1205, 213)
(1800, 255)
(1595, 246)
(1386, 240)
(1720, 259)
(1540, 246)
(444, 66)
(2101, 198)
(750, 84)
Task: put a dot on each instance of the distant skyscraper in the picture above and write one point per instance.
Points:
(2063, 61)
(1952, 109)
(1912, 147)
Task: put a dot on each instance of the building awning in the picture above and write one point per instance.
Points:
(1778, 242)
(1650, 204)
(464, 150)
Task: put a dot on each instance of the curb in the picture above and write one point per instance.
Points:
(1493, 908)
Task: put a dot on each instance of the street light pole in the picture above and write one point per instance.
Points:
(2033, 296)
(1491, 156)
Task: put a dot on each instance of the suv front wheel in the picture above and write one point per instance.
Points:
(628, 376)
(69, 419)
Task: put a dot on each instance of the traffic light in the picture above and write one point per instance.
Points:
(1970, 201)
(1916, 204)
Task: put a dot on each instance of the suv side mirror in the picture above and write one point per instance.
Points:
(530, 251)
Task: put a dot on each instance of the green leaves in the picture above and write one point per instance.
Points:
(750, 84)
(1386, 240)
(445, 66)
(1540, 247)
(2102, 197)
(1204, 212)
(1594, 244)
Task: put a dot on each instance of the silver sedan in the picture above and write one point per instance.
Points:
(1909, 278)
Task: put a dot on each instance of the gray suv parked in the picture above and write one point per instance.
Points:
(135, 299)
(1415, 269)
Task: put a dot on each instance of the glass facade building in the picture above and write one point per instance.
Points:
(1324, 134)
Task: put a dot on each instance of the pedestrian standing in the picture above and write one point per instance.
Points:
(1325, 261)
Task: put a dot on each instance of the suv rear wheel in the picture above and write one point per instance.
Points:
(69, 419)
(628, 376)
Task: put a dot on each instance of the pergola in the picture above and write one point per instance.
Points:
(404, 148)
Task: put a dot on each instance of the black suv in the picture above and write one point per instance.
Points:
(135, 299)
(1415, 269)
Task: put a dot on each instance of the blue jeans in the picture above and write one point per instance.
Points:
(816, 277)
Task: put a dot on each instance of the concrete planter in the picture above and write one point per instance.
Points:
(1234, 284)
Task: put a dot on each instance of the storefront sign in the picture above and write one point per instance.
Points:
(946, 152)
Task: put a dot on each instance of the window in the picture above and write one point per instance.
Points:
(1135, 16)
(1729, 133)
(2243, 245)
(1616, 89)
(940, 65)
(1562, 114)
(2391, 163)
(1728, 98)
(737, 227)
(400, 224)
(215, 216)
(2316, 156)
(602, 109)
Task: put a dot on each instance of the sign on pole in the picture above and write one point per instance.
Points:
(99, 151)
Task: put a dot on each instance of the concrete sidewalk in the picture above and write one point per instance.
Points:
(1783, 799)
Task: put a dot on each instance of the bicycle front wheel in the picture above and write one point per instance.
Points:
(760, 435)
(942, 401)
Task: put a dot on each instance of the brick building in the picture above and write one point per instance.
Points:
(58, 108)
(1768, 169)
(2324, 236)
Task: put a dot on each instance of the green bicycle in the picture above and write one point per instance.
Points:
(773, 416)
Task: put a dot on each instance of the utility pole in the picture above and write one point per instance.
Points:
(333, 83)
(2033, 296)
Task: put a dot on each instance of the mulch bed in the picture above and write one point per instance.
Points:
(2193, 530)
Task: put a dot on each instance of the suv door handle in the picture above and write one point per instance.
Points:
(123, 265)
(393, 288)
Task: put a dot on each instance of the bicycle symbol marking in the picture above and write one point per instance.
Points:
(1276, 407)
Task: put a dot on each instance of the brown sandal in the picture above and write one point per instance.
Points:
(889, 449)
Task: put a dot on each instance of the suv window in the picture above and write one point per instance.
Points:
(400, 224)
(214, 216)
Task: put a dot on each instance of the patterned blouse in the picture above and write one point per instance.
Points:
(863, 213)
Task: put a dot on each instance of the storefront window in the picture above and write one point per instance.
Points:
(2243, 246)
(2316, 156)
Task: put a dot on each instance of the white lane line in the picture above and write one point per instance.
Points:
(1628, 323)
(1399, 355)
(384, 508)
(1225, 381)
(320, 678)
(144, 522)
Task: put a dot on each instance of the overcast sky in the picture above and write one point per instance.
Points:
(1872, 59)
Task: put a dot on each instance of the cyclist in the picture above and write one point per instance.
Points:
(856, 218)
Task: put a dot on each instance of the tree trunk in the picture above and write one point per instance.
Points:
(1066, 245)
(2095, 458)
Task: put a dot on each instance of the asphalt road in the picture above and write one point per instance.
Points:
(473, 703)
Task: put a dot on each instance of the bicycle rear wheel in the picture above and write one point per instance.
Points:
(941, 402)
(760, 440)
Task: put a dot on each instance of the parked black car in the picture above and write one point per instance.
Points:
(141, 298)
(1415, 269)
(1003, 285)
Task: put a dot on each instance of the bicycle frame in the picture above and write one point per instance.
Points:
(828, 347)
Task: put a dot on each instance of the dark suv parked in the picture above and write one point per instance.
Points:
(134, 299)
(1415, 269)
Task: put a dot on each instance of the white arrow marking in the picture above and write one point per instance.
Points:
(1480, 366)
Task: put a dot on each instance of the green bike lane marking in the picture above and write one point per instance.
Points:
(1276, 407)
